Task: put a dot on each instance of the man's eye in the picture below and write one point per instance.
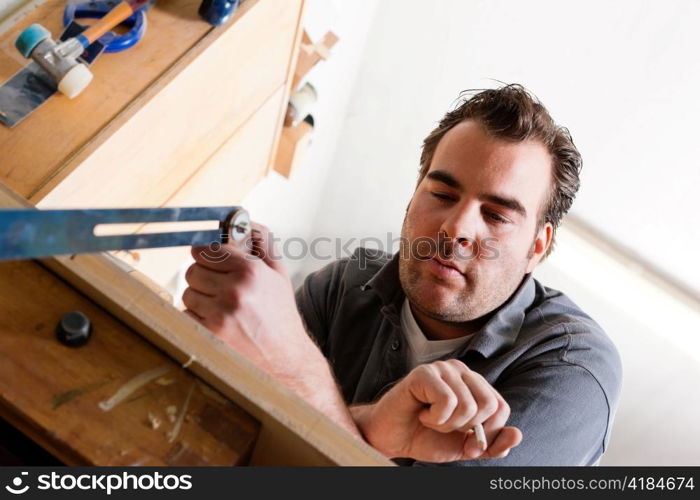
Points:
(496, 218)
(442, 196)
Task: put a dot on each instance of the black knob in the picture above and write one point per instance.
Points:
(74, 329)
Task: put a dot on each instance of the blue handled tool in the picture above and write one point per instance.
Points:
(31, 233)
(136, 23)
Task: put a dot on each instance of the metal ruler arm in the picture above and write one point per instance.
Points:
(30, 233)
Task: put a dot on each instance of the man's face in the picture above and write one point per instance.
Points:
(479, 205)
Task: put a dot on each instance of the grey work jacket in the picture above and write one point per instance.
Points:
(552, 363)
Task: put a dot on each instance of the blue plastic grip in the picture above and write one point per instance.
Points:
(31, 37)
(83, 41)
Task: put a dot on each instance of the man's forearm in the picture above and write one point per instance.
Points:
(319, 388)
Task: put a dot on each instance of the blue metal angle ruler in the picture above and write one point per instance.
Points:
(31, 233)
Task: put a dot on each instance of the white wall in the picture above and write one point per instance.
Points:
(623, 76)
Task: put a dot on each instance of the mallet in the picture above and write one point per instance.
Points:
(60, 60)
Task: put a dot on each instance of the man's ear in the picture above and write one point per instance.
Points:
(539, 247)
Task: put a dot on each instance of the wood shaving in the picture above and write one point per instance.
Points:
(171, 411)
(164, 381)
(132, 385)
(192, 359)
(153, 421)
(172, 435)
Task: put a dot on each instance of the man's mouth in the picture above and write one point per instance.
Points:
(445, 268)
(449, 263)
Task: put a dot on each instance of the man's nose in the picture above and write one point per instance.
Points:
(460, 226)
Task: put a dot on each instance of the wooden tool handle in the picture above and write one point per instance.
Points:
(115, 16)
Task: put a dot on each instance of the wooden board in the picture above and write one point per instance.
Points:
(237, 166)
(51, 391)
(293, 145)
(293, 432)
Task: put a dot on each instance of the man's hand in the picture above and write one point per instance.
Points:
(429, 416)
(247, 300)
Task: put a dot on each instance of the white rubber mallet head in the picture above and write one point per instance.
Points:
(75, 80)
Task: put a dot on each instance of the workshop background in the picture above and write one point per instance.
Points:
(622, 76)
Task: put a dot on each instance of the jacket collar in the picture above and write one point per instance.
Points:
(498, 333)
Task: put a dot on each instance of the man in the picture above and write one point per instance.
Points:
(452, 331)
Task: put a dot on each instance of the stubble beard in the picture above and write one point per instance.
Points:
(442, 301)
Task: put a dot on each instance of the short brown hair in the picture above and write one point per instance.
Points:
(513, 114)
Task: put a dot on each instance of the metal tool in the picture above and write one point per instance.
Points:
(39, 80)
(31, 233)
(60, 60)
(31, 86)
(217, 12)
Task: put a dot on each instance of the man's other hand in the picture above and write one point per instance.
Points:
(429, 416)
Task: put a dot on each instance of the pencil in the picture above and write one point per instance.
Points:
(480, 436)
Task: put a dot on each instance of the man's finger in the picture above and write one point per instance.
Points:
(483, 394)
(466, 407)
(508, 438)
(492, 427)
(199, 304)
(264, 247)
(205, 280)
(442, 400)
(220, 258)
(192, 315)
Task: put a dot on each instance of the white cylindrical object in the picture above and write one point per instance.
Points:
(302, 102)
(75, 80)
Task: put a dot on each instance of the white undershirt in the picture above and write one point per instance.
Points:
(422, 350)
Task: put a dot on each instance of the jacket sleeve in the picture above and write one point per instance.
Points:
(316, 300)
